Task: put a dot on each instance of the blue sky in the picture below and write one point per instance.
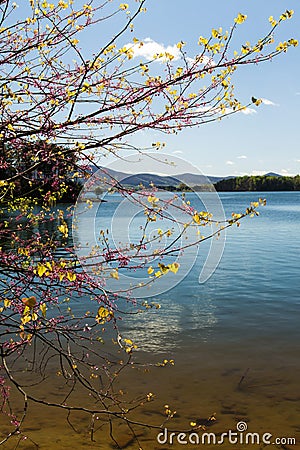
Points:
(267, 140)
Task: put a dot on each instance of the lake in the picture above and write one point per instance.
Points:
(235, 339)
(252, 296)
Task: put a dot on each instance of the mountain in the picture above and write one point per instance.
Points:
(272, 174)
(158, 180)
(146, 179)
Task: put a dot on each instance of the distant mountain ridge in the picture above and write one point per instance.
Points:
(159, 180)
(272, 174)
(146, 179)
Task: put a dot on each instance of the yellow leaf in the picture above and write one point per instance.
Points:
(272, 21)
(103, 312)
(71, 276)
(48, 265)
(202, 40)
(61, 276)
(150, 396)
(104, 315)
(129, 345)
(7, 303)
(150, 270)
(152, 199)
(174, 267)
(214, 33)
(80, 145)
(115, 274)
(63, 4)
(25, 319)
(23, 251)
(240, 18)
(256, 101)
(63, 229)
(163, 268)
(26, 311)
(196, 218)
(180, 44)
(178, 73)
(293, 42)
(43, 309)
(123, 6)
(282, 46)
(41, 269)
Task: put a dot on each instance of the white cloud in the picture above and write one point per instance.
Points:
(148, 49)
(177, 152)
(267, 102)
(248, 111)
(229, 163)
(287, 173)
(242, 157)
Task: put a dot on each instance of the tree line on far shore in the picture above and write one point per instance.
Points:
(259, 183)
(244, 183)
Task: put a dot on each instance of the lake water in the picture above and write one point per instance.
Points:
(253, 298)
(235, 339)
(253, 295)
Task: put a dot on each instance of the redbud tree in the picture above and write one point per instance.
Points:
(65, 103)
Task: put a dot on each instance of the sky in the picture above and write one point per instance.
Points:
(264, 140)
(267, 140)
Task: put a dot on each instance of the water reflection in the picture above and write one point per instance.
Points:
(177, 322)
